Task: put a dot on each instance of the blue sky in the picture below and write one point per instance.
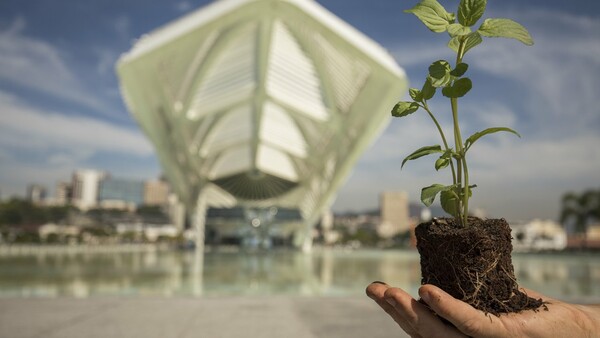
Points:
(60, 107)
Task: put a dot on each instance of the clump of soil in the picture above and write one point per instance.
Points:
(472, 264)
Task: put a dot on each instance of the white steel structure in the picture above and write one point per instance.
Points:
(259, 103)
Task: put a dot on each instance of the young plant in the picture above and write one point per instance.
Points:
(455, 197)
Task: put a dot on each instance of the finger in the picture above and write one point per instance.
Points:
(376, 291)
(466, 318)
(419, 317)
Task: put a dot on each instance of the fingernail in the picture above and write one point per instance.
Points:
(391, 301)
(426, 296)
(378, 282)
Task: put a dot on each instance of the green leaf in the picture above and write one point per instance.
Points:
(448, 200)
(471, 41)
(439, 69)
(469, 142)
(459, 88)
(441, 163)
(404, 108)
(423, 151)
(428, 193)
(433, 15)
(428, 90)
(457, 29)
(469, 11)
(505, 28)
(445, 159)
(460, 69)
(439, 73)
(415, 94)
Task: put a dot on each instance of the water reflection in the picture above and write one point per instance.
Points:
(325, 272)
(570, 276)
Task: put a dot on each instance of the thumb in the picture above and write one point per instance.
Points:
(466, 318)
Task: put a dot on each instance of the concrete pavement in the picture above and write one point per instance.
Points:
(210, 317)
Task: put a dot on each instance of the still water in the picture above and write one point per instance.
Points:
(324, 272)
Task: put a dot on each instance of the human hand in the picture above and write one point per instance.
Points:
(559, 320)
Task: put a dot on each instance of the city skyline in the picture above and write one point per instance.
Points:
(157, 190)
(91, 188)
(61, 109)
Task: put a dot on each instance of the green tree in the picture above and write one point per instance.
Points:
(17, 212)
(57, 214)
(21, 212)
(151, 212)
(366, 237)
(580, 210)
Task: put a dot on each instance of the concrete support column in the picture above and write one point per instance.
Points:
(199, 223)
(308, 240)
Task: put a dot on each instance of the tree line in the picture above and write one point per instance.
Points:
(580, 210)
(19, 212)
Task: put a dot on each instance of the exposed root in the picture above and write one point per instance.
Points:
(472, 264)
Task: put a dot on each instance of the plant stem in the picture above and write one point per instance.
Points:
(459, 161)
(462, 164)
(426, 107)
(466, 190)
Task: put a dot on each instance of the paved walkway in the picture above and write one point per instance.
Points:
(252, 317)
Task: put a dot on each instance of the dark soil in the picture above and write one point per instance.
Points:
(472, 264)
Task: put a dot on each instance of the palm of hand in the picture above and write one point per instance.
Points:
(559, 320)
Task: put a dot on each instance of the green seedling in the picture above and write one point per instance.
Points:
(442, 75)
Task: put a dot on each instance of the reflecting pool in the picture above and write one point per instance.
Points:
(324, 272)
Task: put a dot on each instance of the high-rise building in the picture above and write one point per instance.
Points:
(36, 193)
(260, 104)
(156, 192)
(121, 190)
(85, 186)
(63, 193)
(395, 217)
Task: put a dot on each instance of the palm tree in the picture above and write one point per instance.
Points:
(581, 210)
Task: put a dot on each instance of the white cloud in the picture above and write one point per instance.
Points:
(26, 127)
(419, 54)
(106, 60)
(402, 137)
(570, 159)
(38, 65)
(379, 168)
(516, 178)
(561, 82)
(108, 56)
(41, 146)
(524, 177)
(183, 6)
(14, 176)
(67, 158)
(122, 26)
(478, 115)
(559, 73)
